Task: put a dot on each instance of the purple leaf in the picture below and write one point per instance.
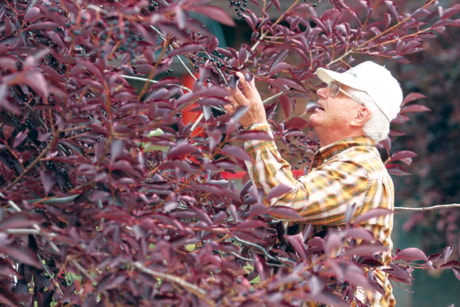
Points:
(236, 152)
(5, 103)
(37, 82)
(7, 131)
(332, 241)
(456, 272)
(110, 282)
(297, 242)
(278, 191)
(212, 91)
(450, 11)
(257, 210)
(181, 150)
(202, 215)
(92, 69)
(186, 48)
(56, 38)
(48, 180)
(18, 220)
(365, 250)
(21, 254)
(249, 224)
(180, 16)
(285, 102)
(397, 170)
(31, 14)
(411, 97)
(116, 149)
(30, 77)
(209, 188)
(403, 154)
(8, 63)
(20, 137)
(215, 13)
(358, 233)
(373, 213)
(451, 264)
(297, 123)
(446, 253)
(399, 273)
(282, 212)
(279, 67)
(414, 108)
(287, 84)
(260, 266)
(355, 276)
(45, 25)
(411, 254)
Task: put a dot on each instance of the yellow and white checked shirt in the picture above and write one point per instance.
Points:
(347, 172)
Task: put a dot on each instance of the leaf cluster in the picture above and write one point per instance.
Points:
(109, 197)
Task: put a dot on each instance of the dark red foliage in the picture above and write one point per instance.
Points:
(108, 197)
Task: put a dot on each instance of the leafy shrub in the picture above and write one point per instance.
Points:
(109, 197)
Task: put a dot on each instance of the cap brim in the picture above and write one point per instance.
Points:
(327, 76)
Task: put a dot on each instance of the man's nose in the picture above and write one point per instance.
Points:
(322, 92)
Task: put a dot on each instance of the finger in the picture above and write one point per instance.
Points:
(232, 104)
(238, 96)
(228, 108)
(241, 77)
(249, 88)
(233, 81)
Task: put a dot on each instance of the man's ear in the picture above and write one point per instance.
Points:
(362, 116)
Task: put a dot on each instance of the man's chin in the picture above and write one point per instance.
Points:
(315, 119)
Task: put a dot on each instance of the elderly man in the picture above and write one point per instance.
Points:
(353, 114)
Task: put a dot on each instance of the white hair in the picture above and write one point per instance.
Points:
(377, 127)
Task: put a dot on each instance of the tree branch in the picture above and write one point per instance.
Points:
(427, 208)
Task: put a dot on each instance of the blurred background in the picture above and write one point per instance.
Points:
(435, 178)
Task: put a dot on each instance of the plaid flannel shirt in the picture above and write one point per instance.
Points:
(348, 172)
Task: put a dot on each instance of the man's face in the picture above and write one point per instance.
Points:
(335, 110)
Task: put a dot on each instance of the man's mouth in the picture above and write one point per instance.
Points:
(319, 107)
(314, 106)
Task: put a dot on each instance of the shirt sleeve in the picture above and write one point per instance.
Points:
(322, 197)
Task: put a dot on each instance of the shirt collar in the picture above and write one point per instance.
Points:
(328, 151)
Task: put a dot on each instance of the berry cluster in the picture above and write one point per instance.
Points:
(153, 6)
(215, 58)
(240, 7)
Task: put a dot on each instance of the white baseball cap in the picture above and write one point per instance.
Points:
(372, 78)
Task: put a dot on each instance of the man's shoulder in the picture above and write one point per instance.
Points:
(367, 157)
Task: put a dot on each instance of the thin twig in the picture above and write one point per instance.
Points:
(386, 31)
(256, 246)
(34, 163)
(172, 46)
(264, 34)
(155, 81)
(427, 208)
(201, 293)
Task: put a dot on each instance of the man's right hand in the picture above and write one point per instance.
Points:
(245, 93)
